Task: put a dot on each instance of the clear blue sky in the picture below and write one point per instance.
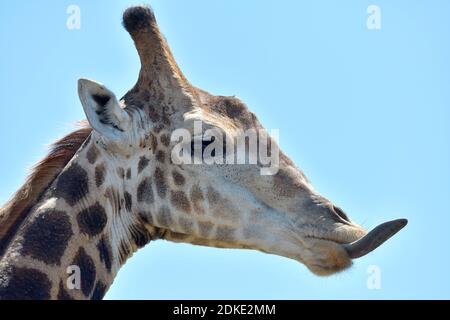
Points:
(364, 113)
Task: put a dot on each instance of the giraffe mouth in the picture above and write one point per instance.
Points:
(329, 254)
(374, 238)
(367, 243)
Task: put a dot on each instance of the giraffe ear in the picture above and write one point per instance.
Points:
(103, 110)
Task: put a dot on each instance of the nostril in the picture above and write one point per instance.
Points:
(341, 213)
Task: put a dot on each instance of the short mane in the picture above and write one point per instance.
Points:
(14, 212)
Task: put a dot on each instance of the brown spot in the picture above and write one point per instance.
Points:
(286, 183)
(92, 154)
(145, 95)
(47, 236)
(212, 195)
(128, 201)
(129, 173)
(99, 291)
(205, 228)
(165, 139)
(165, 119)
(87, 270)
(180, 201)
(99, 175)
(252, 232)
(186, 225)
(197, 198)
(235, 110)
(153, 114)
(164, 217)
(143, 163)
(178, 178)
(222, 207)
(92, 220)
(153, 142)
(225, 234)
(161, 156)
(145, 191)
(72, 184)
(23, 284)
(104, 251)
(121, 173)
(160, 183)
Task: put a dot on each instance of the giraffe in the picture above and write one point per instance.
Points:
(112, 186)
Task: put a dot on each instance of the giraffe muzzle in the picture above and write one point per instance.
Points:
(374, 238)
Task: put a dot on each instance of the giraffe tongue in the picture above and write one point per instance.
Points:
(374, 238)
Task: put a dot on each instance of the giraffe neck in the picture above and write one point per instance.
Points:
(78, 228)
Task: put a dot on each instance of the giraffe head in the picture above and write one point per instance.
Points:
(177, 150)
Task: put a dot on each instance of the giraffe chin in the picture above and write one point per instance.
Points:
(326, 257)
